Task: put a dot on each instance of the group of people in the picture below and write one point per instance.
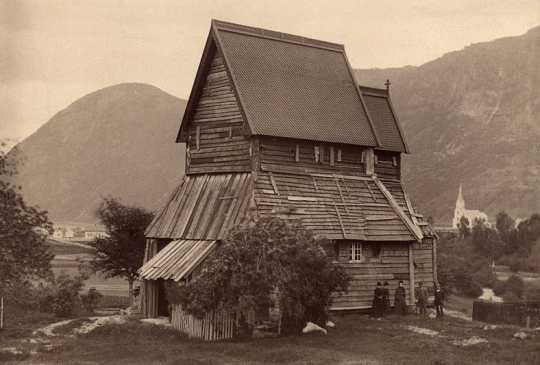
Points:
(381, 299)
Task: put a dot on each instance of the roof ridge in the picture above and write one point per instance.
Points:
(275, 35)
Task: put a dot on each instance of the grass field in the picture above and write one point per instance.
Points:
(356, 340)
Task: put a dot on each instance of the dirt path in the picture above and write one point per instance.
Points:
(54, 335)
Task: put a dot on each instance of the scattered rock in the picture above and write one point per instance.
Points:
(423, 331)
(265, 330)
(96, 322)
(11, 350)
(159, 321)
(49, 330)
(458, 315)
(330, 324)
(474, 340)
(490, 327)
(520, 335)
(312, 327)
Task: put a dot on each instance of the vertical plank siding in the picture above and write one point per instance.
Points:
(216, 134)
(149, 294)
(215, 326)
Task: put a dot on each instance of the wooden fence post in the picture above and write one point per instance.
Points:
(1, 313)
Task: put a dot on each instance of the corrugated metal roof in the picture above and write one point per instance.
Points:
(384, 119)
(176, 260)
(296, 90)
(203, 207)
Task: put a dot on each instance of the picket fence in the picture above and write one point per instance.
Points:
(214, 326)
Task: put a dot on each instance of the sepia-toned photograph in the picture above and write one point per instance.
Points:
(269, 182)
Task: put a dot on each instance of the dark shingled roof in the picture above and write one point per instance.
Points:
(290, 86)
(384, 119)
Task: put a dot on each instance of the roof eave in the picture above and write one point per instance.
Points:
(230, 73)
(398, 124)
(196, 89)
(359, 93)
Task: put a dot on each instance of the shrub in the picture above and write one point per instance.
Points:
(265, 259)
(485, 277)
(499, 288)
(60, 295)
(91, 300)
(66, 298)
(515, 285)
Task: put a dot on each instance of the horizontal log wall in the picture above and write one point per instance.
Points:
(280, 155)
(388, 165)
(423, 260)
(217, 141)
(392, 267)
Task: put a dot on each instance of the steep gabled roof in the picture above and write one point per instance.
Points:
(384, 119)
(288, 86)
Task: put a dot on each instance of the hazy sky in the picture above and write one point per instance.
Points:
(53, 52)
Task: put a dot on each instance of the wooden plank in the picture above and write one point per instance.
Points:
(411, 276)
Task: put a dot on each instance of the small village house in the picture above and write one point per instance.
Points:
(276, 124)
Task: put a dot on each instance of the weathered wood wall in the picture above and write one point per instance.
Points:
(392, 267)
(213, 326)
(423, 260)
(217, 140)
(388, 165)
(289, 155)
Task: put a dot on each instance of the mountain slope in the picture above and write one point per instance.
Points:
(472, 117)
(118, 141)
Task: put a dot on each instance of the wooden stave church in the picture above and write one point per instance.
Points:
(258, 142)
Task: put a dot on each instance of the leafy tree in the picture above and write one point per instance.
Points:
(463, 227)
(486, 241)
(267, 258)
(122, 253)
(516, 286)
(505, 224)
(24, 255)
(529, 232)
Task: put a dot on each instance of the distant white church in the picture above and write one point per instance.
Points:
(461, 211)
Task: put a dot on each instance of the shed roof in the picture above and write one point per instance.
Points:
(176, 260)
(289, 86)
(205, 207)
(384, 119)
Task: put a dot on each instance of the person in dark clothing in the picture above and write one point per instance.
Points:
(400, 304)
(422, 298)
(386, 298)
(378, 301)
(439, 300)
